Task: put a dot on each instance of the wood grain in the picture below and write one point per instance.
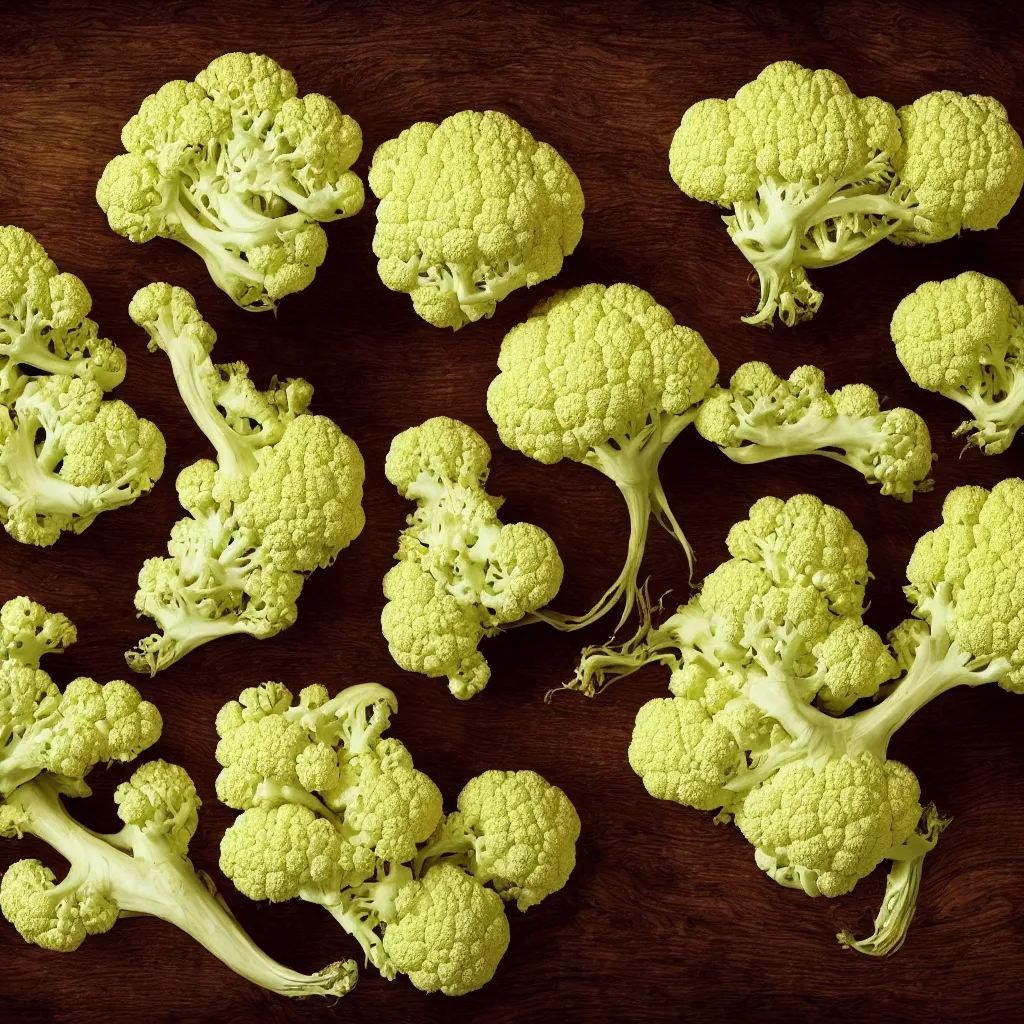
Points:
(666, 917)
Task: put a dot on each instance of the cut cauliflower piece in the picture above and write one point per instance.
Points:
(141, 870)
(284, 497)
(44, 322)
(761, 417)
(777, 630)
(43, 730)
(964, 338)
(449, 933)
(461, 573)
(604, 376)
(814, 175)
(241, 170)
(471, 209)
(514, 831)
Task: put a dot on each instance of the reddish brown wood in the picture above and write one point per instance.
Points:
(667, 916)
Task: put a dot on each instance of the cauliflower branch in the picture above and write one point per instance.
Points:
(461, 573)
(44, 322)
(604, 376)
(240, 169)
(43, 730)
(777, 630)
(334, 813)
(963, 338)
(141, 870)
(284, 497)
(760, 417)
(814, 175)
(471, 209)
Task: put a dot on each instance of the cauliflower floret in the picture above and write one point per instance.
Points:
(449, 932)
(603, 376)
(823, 829)
(760, 417)
(681, 753)
(852, 663)
(963, 338)
(814, 174)
(44, 322)
(284, 497)
(240, 169)
(475, 573)
(471, 209)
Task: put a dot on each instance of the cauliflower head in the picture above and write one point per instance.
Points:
(963, 338)
(242, 170)
(471, 209)
(461, 573)
(449, 932)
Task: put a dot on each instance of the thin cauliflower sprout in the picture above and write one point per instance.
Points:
(902, 885)
(141, 874)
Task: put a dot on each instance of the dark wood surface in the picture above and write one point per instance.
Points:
(666, 916)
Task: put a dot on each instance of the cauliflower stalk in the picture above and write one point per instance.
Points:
(240, 169)
(471, 209)
(333, 812)
(66, 455)
(814, 175)
(143, 869)
(760, 417)
(604, 376)
(963, 338)
(44, 322)
(461, 574)
(770, 655)
(65, 734)
(283, 498)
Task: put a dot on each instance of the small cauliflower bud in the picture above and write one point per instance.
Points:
(987, 619)
(261, 749)
(52, 915)
(161, 801)
(963, 338)
(524, 573)
(852, 663)
(524, 834)
(471, 209)
(280, 853)
(28, 631)
(440, 449)
(97, 723)
(824, 828)
(804, 540)
(449, 932)
(305, 497)
(962, 161)
(681, 753)
(393, 810)
(317, 768)
(428, 631)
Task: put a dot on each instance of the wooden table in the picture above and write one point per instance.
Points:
(666, 916)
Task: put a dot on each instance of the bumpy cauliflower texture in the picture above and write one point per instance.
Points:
(471, 209)
(813, 174)
(283, 498)
(964, 338)
(760, 417)
(777, 630)
(603, 376)
(240, 169)
(461, 573)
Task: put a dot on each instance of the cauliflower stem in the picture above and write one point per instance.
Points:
(792, 227)
(632, 462)
(142, 872)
